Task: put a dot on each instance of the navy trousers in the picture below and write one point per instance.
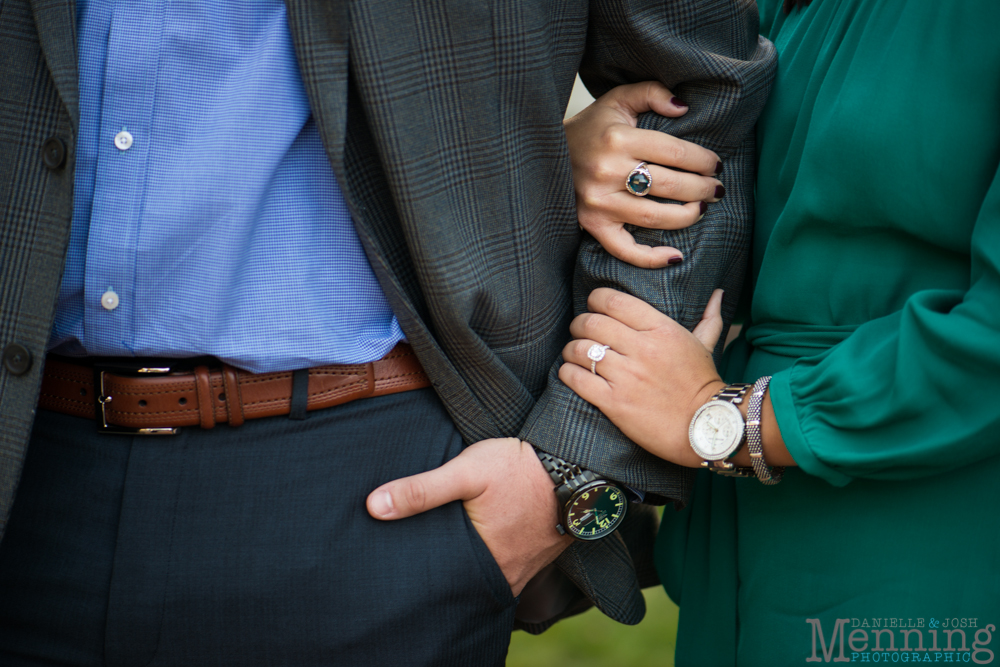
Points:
(246, 546)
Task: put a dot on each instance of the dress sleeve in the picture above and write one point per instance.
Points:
(911, 394)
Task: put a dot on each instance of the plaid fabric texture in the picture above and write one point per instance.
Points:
(443, 123)
(38, 100)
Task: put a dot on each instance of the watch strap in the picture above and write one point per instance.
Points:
(728, 469)
(733, 393)
(567, 476)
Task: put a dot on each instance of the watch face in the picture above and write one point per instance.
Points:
(595, 510)
(716, 430)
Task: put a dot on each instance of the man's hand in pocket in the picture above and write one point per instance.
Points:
(507, 494)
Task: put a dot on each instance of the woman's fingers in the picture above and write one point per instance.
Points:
(651, 214)
(604, 219)
(623, 310)
(592, 388)
(663, 149)
(680, 169)
(710, 327)
(600, 328)
(576, 352)
(636, 98)
(682, 186)
(617, 240)
(616, 317)
(623, 208)
(605, 146)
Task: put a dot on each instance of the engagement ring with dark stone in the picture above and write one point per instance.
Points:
(639, 181)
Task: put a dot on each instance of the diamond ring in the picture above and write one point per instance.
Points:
(639, 181)
(595, 354)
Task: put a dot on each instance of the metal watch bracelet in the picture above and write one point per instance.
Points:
(563, 472)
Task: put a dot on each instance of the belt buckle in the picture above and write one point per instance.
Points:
(103, 399)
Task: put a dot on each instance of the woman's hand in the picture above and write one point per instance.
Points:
(605, 146)
(655, 374)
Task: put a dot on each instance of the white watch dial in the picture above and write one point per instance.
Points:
(716, 430)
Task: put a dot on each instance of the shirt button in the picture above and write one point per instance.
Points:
(123, 140)
(109, 300)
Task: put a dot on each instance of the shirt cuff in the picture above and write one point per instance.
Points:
(789, 422)
(634, 495)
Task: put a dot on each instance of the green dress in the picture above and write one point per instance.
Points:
(876, 308)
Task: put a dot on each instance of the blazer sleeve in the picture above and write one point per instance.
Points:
(708, 52)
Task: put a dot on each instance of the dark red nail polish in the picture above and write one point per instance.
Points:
(676, 259)
(703, 206)
(718, 168)
(720, 191)
(678, 102)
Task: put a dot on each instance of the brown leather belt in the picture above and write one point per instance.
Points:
(156, 400)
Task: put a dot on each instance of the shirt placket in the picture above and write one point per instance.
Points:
(125, 137)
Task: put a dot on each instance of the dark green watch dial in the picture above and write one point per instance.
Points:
(595, 510)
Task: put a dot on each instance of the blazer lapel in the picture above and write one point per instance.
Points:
(56, 23)
(320, 33)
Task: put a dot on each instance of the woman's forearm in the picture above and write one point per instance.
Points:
(775, 452)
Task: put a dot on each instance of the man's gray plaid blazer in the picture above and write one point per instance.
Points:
(442, 119)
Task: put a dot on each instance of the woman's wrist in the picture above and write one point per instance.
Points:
(775, 452)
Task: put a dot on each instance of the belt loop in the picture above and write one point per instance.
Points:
(370, 376)
(300, 394)
(234, 397)
(206, 407)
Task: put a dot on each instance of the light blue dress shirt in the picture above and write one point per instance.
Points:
(207, 218)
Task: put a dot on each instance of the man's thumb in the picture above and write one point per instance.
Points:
(418, 493)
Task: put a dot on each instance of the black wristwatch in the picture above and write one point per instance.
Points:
(589, 507)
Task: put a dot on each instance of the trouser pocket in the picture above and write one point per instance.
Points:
(253, 546)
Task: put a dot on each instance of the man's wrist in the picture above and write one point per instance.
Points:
(589, 506)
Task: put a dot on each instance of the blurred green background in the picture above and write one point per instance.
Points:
(594, 640)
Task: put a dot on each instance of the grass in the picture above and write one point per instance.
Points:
(594, 640)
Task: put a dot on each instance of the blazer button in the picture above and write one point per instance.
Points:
(17, 359)
(53, 153)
